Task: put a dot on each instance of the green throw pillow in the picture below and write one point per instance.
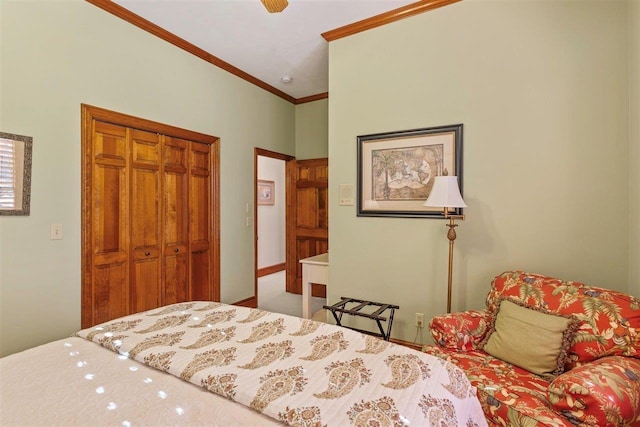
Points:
(532, 339)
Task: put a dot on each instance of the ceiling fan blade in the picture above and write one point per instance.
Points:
(275, 6)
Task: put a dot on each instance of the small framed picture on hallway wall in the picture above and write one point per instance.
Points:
(266, 192)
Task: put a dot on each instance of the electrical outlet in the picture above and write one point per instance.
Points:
(419, 320)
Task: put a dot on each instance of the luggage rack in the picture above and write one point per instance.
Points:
(340, 308)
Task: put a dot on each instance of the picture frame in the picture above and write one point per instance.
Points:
(266, 192)
(16, 160)
(396, 170)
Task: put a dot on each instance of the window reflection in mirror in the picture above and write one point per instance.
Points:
(15, 174)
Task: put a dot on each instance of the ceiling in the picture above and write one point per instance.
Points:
(266, 46)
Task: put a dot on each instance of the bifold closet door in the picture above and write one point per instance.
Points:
(107, 159)
(145, 242)
(200, 221)
(149, 216)
(176, 220)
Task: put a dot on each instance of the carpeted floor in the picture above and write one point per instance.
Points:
(273, 297)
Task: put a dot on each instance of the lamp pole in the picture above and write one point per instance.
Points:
(451, 235)
(445, 193)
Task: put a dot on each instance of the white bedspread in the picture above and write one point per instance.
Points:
(74, 382)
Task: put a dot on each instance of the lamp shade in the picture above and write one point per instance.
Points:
(445, 193)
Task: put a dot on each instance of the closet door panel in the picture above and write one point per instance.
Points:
(201, 275)
(145, 220)
(200, 221)
(176, 220)
(109, 214)
(176, 276)
(145, 285)
(109, 218)
(110, 296)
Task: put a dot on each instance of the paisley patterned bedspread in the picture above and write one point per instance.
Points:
(297, 371)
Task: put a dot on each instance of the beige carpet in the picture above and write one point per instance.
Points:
(273, 297)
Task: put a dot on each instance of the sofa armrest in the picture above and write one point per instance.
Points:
(460, 331)
(605, 392)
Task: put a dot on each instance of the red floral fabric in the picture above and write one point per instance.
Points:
(610, 320)
(511, 396)
(603, 392)
(459, 331)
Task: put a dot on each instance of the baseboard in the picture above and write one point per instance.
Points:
(251, 302)
(265, 271)
(412, 345)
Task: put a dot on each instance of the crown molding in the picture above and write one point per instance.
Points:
(347, 30)
(312, 98)
(386, 18)
(150, 27)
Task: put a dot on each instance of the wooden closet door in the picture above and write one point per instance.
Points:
(145, 220)
(106, 235)
(176, 220)
(200, 221)
(150, 215)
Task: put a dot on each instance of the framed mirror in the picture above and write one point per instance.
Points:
(15, 174)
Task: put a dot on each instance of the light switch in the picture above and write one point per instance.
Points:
(56, 231)
(346, 194)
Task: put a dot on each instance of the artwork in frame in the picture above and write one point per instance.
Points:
(266, 192)
(396, 170)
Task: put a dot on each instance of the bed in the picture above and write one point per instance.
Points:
(207, 363)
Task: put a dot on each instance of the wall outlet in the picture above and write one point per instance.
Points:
(419, 320)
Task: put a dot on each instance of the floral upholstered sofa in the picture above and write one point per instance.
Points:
(582, 342)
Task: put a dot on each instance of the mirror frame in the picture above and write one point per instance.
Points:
(26, 174)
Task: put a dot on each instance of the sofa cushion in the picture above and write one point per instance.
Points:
(510, 396)
(603, 392)
(532, 339)
(609, 320)
(462, 330)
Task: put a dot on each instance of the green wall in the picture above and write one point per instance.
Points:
(542, 91)
(312, 130)
(634, 147)
(57, 55)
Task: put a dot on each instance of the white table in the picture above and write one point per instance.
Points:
(315, 269)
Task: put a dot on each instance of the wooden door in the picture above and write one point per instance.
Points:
(310, 228)
(150, 215)
(176, 220)
(145, 220)
(106, 292)
(200, 221)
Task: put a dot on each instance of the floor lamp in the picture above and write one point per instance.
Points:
(446, 194)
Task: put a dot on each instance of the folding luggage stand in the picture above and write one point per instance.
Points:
(339, 308)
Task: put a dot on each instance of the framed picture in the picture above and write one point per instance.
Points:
(266, 192)
(396, 170)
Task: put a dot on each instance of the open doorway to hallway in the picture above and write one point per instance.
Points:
(270, 217)
(290, 224)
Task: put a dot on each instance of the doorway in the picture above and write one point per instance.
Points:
(271, 202)
(287, 194)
